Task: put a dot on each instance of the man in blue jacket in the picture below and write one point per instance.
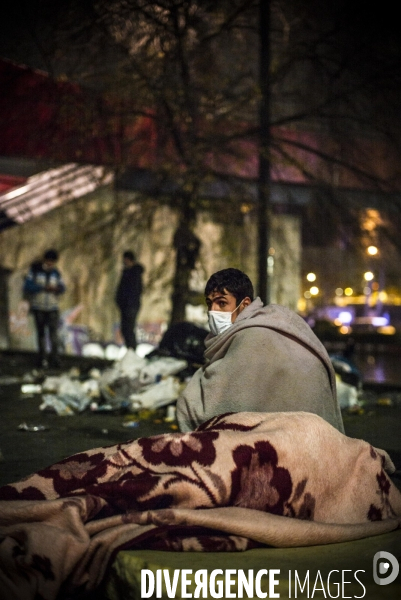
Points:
(43, 285)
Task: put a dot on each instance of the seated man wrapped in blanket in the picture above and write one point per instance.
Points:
(258, 358)
(239, 481)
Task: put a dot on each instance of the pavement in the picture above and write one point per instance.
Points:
(25, 451)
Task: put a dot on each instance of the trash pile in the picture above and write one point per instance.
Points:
(348, 382)
(142, 382)
(131, 383)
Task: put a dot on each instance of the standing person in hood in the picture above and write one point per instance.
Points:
(43, 285)
(128, 297)
(257, 359)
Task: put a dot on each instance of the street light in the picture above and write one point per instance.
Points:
(368, 276)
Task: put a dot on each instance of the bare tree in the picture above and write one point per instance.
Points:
(184, 73)
(180, 72)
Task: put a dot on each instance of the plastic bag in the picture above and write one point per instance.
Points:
(161, 367)
(130, 365)
(59, 405)
(347, 394)
(157, 395)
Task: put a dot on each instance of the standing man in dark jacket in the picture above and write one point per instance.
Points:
(128, 297)
(43, 285)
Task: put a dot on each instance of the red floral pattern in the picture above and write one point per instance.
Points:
(258, 482)
(180, 449)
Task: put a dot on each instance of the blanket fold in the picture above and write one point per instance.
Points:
(239, 481)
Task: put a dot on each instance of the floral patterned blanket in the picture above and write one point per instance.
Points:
(239, 481)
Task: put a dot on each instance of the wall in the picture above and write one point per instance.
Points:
(285, 268)
(92, 232)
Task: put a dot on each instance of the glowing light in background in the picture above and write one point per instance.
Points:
(311, 277)
(348, 291)
(368, 276)
(372, 250)
(314, 290)
(345, 317)
(387, 330)
(380, 321)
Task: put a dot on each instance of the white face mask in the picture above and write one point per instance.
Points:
(220, 321)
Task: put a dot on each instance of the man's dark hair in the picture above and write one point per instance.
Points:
(233, 281)
(129, 254)
(51, 255)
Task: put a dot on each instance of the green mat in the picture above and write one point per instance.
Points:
(341, 561)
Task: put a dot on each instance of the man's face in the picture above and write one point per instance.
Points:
(48, 264)
(226, 302)
(127, 262)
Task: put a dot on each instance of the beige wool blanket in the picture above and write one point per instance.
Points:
(239, 481)
(269, 360)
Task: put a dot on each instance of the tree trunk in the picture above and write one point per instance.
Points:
(187, 247)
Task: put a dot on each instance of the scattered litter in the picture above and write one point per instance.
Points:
(26, 427)
(170, 416)
(144, 349)
(146, 383)
(131, 424)
(157, 395)
(130, 364)
(95, 373)
(53, 403)
(131, 384)
(91, 388)
(385, 402)
(51, 384)
(159, 368)
(114, 352)
(95, 407)
(122, 379)
(373, 399)
(348, 382)
(347, 394)
(356, 410)
(67, 396)
(144, 414)
(92, 350)
(31, 388)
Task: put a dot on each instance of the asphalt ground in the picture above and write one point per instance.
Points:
(24, 452)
